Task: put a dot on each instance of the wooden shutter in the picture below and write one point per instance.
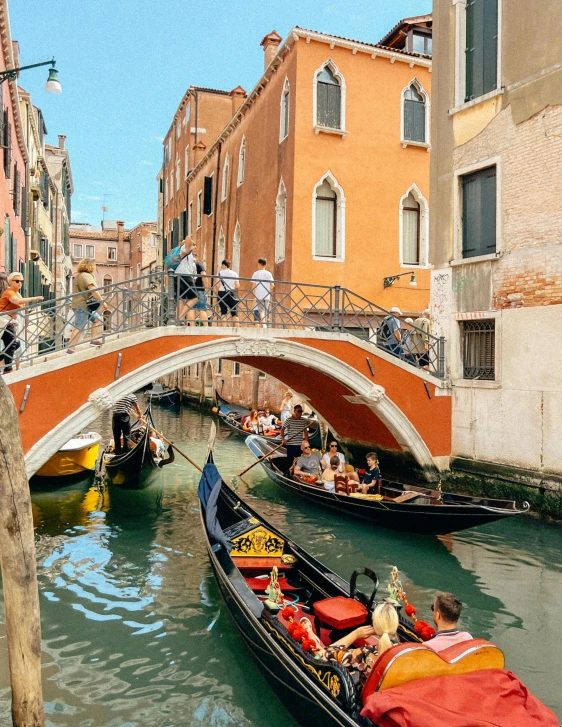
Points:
(7, 145)
(481, 47)
(414, 120)
(1, 121)
(176, 233)
(208, 196)
(490, 46)
(24, 207)
(23, 289)
(16, 197)
(328, 105)
(479, 213)
(183, 226)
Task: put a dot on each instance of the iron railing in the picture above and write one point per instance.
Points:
(160, 299)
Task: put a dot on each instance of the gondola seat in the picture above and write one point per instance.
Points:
(344, 484)
(406, 662)
(258, 585)
(340, 612)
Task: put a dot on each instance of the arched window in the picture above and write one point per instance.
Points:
(220, 250)
(328, 220)
(329, 99)
(241, 162)
(284, 114)
(225, 173)
(414, 219)
(236, 249)
(280, 222)
(415, 114)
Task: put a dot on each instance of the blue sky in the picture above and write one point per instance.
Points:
(125, 64)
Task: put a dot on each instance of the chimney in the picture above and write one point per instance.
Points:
(120, 236)
(270, 45)
(238, 96)
(62, 139)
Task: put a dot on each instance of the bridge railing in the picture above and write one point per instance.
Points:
(160, 299)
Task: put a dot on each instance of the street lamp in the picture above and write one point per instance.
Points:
(387, 282)
(53, 83)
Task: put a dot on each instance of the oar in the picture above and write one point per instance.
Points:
(212, 436)
(178, 450)
(261, 459)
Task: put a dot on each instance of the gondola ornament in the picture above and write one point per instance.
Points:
(274, 593)
(396, 594)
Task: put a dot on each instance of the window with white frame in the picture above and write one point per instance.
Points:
(328, 220)
(236, 249)
(190, 219)
(178, 173)
(329, 98)
(77, 251)
(224, 183)
(112, 254)
(107, 281)
(171, 183)
(90, 252)
(166, 191)
(479, 349)
(186, 161)
(478, 191)
(219, 366)
(241, 162)
(284, 111)
(481, 47)
(178, 129)
(187, 113)
(413, 227)
(169, 151)
(415, 114)
(280, 223)
(199, 208)
(236, 369)
(153, 237)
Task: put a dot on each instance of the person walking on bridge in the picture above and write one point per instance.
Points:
(11, 301)
(262, 292)
(86, 300)
(121, 421)
(389, 334)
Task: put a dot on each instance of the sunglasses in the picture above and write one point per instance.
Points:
(298, 411)
(305, 448)
(17, 280)
(333, 445)
(433, 607)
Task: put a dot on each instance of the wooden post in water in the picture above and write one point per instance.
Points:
(19, 575)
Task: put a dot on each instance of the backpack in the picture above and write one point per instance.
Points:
(173, 259)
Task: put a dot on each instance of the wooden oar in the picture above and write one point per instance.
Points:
(265, 456)
(178, 450)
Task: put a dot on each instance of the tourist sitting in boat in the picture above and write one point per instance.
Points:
(157, 446)
(252, 423)
(329, 474)
(446, 612)
(331, 453)
(309, 463)
(360, 660)
(372, 480)
(269, 422)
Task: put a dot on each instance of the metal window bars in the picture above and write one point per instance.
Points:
(160, 299)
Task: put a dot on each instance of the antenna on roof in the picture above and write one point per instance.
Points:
(104, 210)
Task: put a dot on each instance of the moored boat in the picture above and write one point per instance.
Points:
(410, 508)
(163, 395)
(78, 456)
(232, 415)
(252, 561)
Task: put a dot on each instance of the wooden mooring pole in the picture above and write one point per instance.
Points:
(19, 574)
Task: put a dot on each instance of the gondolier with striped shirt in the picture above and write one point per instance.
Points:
(121, 421)
(293, 431)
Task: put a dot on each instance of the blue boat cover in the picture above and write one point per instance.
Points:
(208, 493)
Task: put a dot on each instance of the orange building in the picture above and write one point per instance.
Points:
(323, 169)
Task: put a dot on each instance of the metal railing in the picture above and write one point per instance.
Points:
(160, 299)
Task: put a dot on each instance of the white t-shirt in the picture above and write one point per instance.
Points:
(262, 289)
(268, 421)
(227, 279)
(187, 265)
(327, 456)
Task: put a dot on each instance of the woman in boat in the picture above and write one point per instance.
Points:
(330, 472)
(252, 423)
(331, 453)
(286, 406)
(372, 479)
(359, 661)
(269, 422)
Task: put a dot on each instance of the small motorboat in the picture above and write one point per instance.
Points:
(77, 456)
(133, 469)
(271, 585)
(233, 414)
(163, 395)
(411, 508)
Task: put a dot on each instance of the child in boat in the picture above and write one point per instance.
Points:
(372, 479)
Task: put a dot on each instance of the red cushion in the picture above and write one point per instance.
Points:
(340, 612)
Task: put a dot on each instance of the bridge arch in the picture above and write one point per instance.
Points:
(295, 355)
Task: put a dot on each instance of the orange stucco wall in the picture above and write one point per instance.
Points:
(46, 407)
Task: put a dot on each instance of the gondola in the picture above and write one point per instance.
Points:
(133, 470)
(410, 508)
(231, 415)
(244, 551)
(163, 395)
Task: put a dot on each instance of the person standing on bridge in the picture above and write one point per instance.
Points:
(228, 285)
(389, 332)
(121, 421)
(262, 292)
(11, 300)
(86, 300)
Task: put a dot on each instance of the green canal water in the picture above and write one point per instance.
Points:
(134, 629)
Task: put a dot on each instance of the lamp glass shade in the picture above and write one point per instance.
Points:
(53, 84)
(413, 281)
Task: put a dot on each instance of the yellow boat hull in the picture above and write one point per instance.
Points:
(63, 464)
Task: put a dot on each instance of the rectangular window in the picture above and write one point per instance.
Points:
(219, 366)
(186, 161)
(183, 226)
(261, 375)
(479, 349)
(178, 130)
(90, 252)
(187, 113)
(208, 196)
(326, 211)
(152, 239)
(481, 47)
(236, 369)
(479, 213)
(329, 105)
(190, 219)
(112, 254)
(199, 208)
(411, 239)
(77, 251)
(184, 371)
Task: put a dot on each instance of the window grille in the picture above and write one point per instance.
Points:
(479, 349)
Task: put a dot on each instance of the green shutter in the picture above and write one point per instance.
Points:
(23, 290)
(479, 213)
(481, 47)
(490, 46)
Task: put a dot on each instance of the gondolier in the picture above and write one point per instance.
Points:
(121, 421)
(293, 432)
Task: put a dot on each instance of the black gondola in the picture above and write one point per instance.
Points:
(133, 469)
(410, 508)
(243, 548)
(163, 395)
(232, 414)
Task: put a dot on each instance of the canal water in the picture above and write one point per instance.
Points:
(135, 632)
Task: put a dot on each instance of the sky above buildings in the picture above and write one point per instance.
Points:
(125, 64)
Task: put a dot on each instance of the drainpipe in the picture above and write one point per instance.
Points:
(216, 209)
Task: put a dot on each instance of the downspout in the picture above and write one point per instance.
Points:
(216, 209)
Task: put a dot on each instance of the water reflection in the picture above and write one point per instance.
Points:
(134, 630)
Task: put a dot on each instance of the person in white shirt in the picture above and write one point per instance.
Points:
(262, 292)
(269, 422)
(186, 291)
(228, 284)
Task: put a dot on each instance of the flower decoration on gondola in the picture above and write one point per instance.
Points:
(302, 631)
(397, 593)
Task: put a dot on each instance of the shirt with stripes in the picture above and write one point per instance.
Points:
(126, 404)
(293, 427)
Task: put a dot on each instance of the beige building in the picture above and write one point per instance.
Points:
(58, 168)
(496, 232)
(108, 244)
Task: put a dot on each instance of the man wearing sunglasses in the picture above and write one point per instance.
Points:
(309, 462)
(11, 300)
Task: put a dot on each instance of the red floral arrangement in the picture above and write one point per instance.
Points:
(298, 632)
(422, 628)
